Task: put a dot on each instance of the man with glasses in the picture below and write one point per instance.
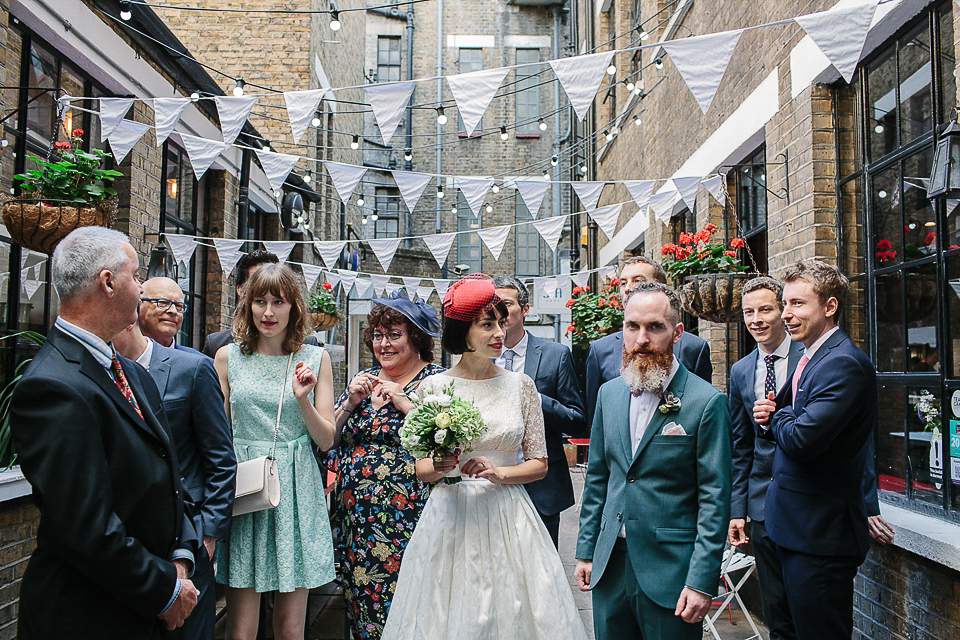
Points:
(161, 312)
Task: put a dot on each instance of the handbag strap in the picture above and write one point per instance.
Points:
(283, 388)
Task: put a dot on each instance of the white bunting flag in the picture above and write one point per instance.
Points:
(662, 204)
(608, 273)
(441, 286)
(474, 191)
(347, 278)
(333, 279)
(717, 186)
(550, 229)
(281, 248)
(840, 33)
(563, 279)
(166, 115)
(233, 113)
(581, 278)
(364, 286)
(202, 152)
(345, 177)
(124, 136)
(580, 77)
(384, 249)
(495, 238)
(228, 252)
(589, 193)
(424, 292)
(112, 112)
(688, 188)
(277, 166)
(548, 286)
(392, 287)
(473, 92)
(301, 107)
(410, 284)
(411, 186)
(379, 283)
(532, 191)
(311, 273)
(702, 61)
(640, 191)
(439, 245)
(538, 286)
(31, 284)
(330, 251)
(606, 218)
(388, 100)
(182, 246)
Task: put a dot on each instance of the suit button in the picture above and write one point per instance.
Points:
(176, 494)
(631, 479)
(162, 452)
(619, 517)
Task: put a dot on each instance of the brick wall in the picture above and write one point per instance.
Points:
(18, 538)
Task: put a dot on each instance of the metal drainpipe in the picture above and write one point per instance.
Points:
(444, 357)
(557, 141)
(243, 209)
(409, 163)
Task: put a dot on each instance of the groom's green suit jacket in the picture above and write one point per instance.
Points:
(673, 496)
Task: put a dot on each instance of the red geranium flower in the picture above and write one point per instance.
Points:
(730, 254)
(884, 244)
(686, 238)
(711, 228)
(570, 329)
(702, 237)
(77, 133)
(931, 238)
(615, 282)
(738, 243)
(569, 303)
(61, 145)
(327, 286)
(953, 246)
(577, 291)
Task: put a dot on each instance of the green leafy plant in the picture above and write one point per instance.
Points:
(697, 254)
(594, 315)
(322, 300)
(7, 451)
(71, 176)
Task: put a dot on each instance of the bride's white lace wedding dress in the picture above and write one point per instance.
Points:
(480, 564)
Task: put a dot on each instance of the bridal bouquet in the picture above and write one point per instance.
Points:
(439, 424)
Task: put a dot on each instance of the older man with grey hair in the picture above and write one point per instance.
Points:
(114, 546)
(550, 364)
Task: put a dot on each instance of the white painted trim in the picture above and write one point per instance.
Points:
(926, 536)
(470, 42)
(528, 42)
(604, 6)
(13, 485)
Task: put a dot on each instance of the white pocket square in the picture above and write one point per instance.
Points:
(673, 429)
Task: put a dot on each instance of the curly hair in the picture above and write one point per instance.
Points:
(383, 317)
(280, 282)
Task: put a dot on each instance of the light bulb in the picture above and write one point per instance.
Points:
(489, 208)
(307, 178)
(630, 85)
(407, 154)
(194, 96)
(441, 116)
(355, 143)
(4, 143)
(374, 217)
(503, 133)
(546, 175)
(125, 11)
(878, 128)
(238, 90)
(453, 209)
(658, 63)
(644, 35)
(495, 188)
(583, 169)
(316, 121)
(636, 120)
(440, 193)
(636, 90)
(364, 220)
(882, 194)
(612, 70)
(334, 20)
(266, 146)
(608, 135)
(554, 161)
(542, 124)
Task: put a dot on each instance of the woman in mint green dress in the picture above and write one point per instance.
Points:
(289, 549)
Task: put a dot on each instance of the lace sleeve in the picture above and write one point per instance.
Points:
(534, 442)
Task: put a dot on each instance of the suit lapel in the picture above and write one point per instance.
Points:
(659, 419)
(531, 360)
(160, 368)
(145, 409)
(751, 385)
(623, 422)
(837, 337)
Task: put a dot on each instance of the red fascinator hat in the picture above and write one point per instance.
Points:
(469, 298)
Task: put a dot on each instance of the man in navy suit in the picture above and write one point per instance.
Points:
(550, 364)
(606, 354)
(161, 312)
(821, 421)
(193, 402)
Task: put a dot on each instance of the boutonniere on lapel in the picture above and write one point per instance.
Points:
(669, 403)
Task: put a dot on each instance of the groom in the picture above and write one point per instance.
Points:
(656, 501)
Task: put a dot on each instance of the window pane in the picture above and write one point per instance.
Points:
(72, 84)
(388, 59)
(953, 223)
(920, 220)
(528, 93)
(881, 103)
(468, 244)
(952, 330)
(948, 91)
(851, 201)
(916, 78)
(41, 112)
(889, 323)
(920, 286)
(528, 242)
(927, 485)
(890, 463)
(886, 218)
(171, 182)
(33, 291)
(752, 194)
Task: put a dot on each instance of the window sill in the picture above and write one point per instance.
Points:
(527, 134)
(926, 536)
(13, 485)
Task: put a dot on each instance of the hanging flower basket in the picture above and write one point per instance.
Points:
(40, 227)
(715, 297)
(324, 321)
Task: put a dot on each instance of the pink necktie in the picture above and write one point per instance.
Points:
(796, 375)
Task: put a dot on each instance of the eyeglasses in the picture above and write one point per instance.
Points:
(392, 337)
(163, 304)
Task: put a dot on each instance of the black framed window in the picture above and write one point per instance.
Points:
(469, 249)
(528, 241)
(388, 58)
(387, 208)
(527, 96)
(470, 60)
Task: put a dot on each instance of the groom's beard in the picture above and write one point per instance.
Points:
(646, 374)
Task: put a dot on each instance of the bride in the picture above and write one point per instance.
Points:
(480, 563)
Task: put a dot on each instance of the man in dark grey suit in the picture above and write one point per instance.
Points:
(550, 364)
(193, 402)
(606, 354)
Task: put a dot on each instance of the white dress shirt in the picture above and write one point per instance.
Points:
(520, 354)
(144, 359)
(779, 367)
(819, 343)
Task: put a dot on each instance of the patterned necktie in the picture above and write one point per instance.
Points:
(121, 379)
(770, 382)
(508, 359)
(796, 376)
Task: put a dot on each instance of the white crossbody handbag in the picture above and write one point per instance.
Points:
(258, 485)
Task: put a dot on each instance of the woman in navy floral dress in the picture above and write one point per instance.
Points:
(379, 498)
